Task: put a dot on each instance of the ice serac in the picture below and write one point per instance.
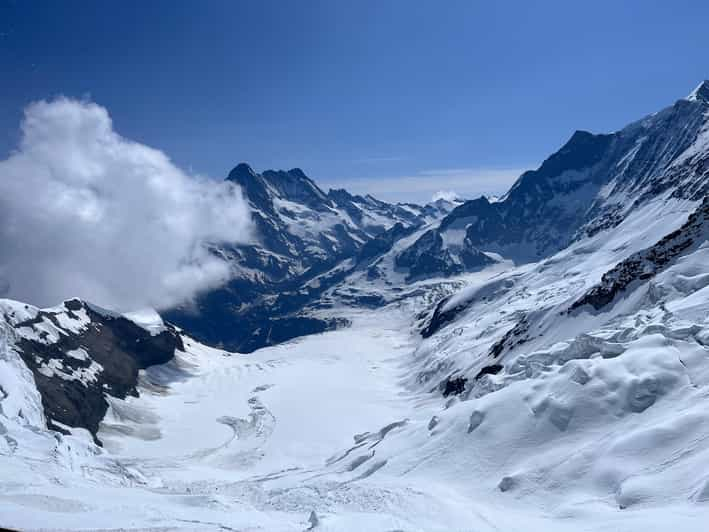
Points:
(592, 183)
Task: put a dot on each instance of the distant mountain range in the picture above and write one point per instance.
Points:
(592, 183)
(301, 233)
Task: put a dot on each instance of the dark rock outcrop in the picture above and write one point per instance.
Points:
(645, 264)
(89, 355)
(517, 335)
(441, 317)
(492, 369)
(453, 386)
(428, 257)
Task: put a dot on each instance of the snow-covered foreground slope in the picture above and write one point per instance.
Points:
(605, 430)
(223, 441)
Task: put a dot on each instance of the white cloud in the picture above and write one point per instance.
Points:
(446, 195)
(85, 212)
(466, 182)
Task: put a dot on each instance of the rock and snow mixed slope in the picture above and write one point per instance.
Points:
(302, 233)
(604, 430)
(592, 183)
(80, 355)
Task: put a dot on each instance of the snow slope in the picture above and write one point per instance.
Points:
(222, 441)
(334, 429)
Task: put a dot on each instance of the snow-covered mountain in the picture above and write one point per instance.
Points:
(567, 391)
(579, 381)
(301, 233)
(592, 183)
(300, 225)
(80, 356)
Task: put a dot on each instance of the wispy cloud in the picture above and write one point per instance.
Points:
(421, 187)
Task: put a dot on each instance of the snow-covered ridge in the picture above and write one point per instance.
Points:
(78, 354)
(700, 93)
(647, 263)
(591, 184)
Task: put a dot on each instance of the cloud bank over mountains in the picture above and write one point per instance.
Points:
(85, 212)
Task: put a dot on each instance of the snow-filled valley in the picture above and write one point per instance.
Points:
(448, 389)
(596, 422)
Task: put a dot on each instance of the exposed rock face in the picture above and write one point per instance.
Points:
(78, 355)
(492, 369)
(383, 243)
(647, 263)
(453, 386)
(439, 318)
(515, 336)
(429, 257)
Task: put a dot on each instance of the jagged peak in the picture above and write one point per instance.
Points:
(701, 93)
(341, 194)
(580, 134)
(74, 304)
(297, 172)
(241, 171)
(294, 174)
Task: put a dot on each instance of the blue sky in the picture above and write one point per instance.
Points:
(395, 98)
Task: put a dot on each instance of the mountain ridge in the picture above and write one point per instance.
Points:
(585, 186)
(301, 233)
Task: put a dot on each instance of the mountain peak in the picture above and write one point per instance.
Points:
(297, 172)
(240, 172)
(701, 93)
(580, 134)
